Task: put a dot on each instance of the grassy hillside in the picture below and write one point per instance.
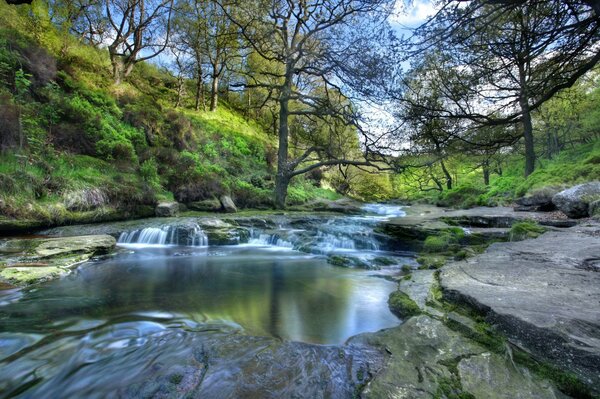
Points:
(577, 164)
(75, 147)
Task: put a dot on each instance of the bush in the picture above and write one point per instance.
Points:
(149, 173)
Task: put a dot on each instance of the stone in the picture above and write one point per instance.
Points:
(30, 261)
(167, 209)
(543, 294)
(209, 205)
(493, 377)
(594, 209)
(423, 355)
(538, 200)
(418, 288)
(227, 204)
(575, 201)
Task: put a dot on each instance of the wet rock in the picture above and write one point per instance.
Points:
(594, 209)
(227, 204)
(351, 262)
(541, 294)
(344, 205)
(29, 261)
(423, 359)
(575, 201)
(210, 205)
(168, 209)
(418, 289)
(493, 377)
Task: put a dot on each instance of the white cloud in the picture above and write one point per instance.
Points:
(414, 13)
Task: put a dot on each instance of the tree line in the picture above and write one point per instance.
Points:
(470, 80)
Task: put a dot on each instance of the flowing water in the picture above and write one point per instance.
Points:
(166, 294)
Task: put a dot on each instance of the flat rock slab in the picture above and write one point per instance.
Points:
(29, 261)
(425, 360)
(544, 294)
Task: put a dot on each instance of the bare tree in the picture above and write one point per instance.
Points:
(139, 31)
(313, 61)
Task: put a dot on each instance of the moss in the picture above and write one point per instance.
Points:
(401, 305)
(430, 261)
(525, 230)
(176, 379)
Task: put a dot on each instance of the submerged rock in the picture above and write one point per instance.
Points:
(575, 201)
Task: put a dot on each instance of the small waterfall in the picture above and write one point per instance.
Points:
(257, 238)
(385, 210)
(192, 236)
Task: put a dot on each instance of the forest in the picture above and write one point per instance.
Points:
(277, 104)
(300, 199)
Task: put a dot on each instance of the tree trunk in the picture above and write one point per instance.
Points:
(117, 68)
(282, 179)
(486, 173)
(214, 94)
(528, 136)
(199, 91)
(447, 175)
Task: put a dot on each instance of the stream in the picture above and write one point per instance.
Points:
(172, 315)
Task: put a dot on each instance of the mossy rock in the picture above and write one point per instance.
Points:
(350, 262)
(402, 305)
(525, 230)
(430, 261)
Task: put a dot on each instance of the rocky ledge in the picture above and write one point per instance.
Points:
(29, 261)
(543, 294)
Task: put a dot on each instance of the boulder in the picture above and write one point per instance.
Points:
(575, 201)
(227, 204)
(210, 205)
(543, 294)
(594, 209)
(167, 209)
(538, 200)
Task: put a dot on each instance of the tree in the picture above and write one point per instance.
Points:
(506, 58)
(322, 47)
(139, 31)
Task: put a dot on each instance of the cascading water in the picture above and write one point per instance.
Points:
(192, 236)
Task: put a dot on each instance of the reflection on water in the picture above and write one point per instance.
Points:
(284, 294)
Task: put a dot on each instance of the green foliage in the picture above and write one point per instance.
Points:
(463, 196)
(524, 230)
(149, 173)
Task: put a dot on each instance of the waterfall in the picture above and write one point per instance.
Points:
(192, 236)
(257, 238)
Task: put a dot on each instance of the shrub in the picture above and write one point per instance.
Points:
(149, 173)
(464, 196)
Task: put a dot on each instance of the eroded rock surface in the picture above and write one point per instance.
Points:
(29, 261)
(575, 201)
(544, 294)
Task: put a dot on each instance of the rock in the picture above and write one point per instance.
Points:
(344, 205)
(575, 201)
(492, 377)
(538, 200)
(167, 209)
(85, 200)
(423, 359)
(418, 289)
(542, 293)
(210, 205)
(594, 209)
(351, 262)
(227, 204)
(30, 261)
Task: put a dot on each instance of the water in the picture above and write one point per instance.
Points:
(169, 300)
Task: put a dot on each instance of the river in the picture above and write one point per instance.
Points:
(166, 313)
